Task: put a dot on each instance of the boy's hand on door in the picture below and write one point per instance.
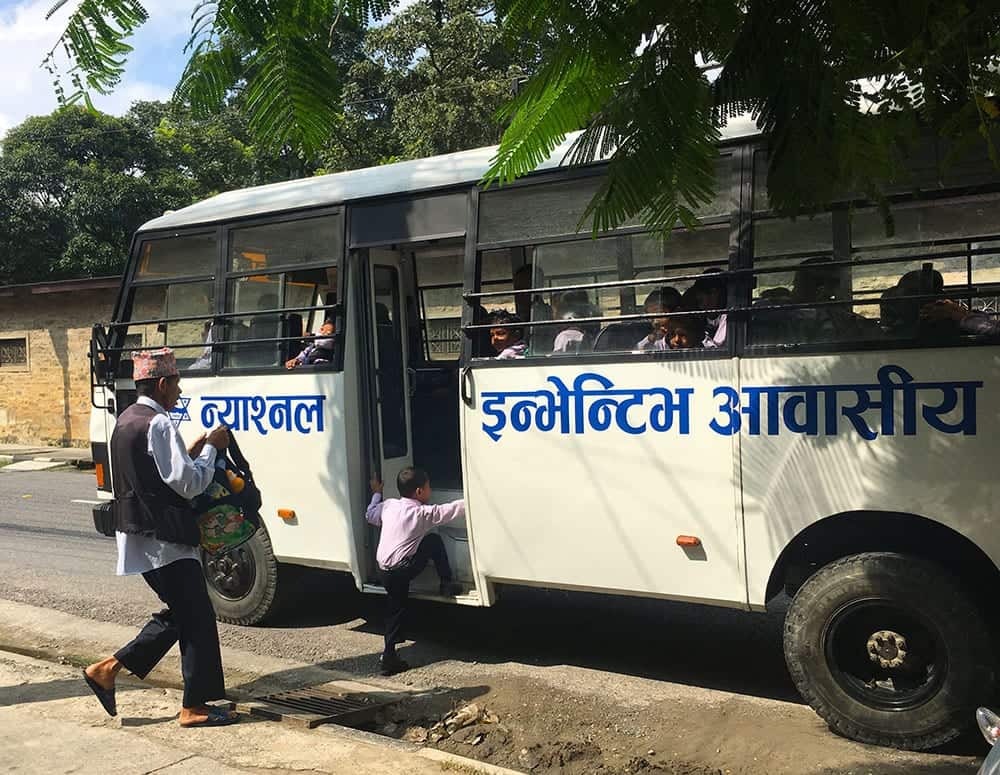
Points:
(376, 484)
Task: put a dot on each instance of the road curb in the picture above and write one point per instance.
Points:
(81, 463)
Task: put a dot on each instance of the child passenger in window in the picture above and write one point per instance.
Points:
(662, 300)
(320, 351)
(572, 337)
(506, 335)
(709, 292)
(687, 332)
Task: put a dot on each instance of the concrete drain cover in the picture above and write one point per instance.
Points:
(317, 705)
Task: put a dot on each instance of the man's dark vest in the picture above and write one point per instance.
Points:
(144, 504)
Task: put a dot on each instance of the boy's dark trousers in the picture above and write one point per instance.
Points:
(189, 618)
(397, 585)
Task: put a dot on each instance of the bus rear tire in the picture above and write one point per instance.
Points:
(888, 650)
(243, 583)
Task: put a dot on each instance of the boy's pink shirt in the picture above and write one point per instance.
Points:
(404, 523)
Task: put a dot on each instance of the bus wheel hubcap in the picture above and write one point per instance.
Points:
(887, 648)
(232, 573)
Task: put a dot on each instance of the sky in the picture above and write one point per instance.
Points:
(26, 37)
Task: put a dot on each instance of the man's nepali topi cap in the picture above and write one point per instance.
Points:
(153, 364)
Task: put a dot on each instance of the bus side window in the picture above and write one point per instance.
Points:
(876, 290)
(173, 302)
(842, 276)
(155, 309)
(583, 319)
(187, 256)
(571, 287)
(281, 277)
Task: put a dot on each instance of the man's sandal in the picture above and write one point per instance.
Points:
(106, 696)
(217, 717)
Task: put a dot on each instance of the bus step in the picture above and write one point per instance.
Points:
(470, 598)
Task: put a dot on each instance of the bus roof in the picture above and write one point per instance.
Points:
(453, 169)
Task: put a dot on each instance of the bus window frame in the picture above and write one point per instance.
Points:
(337, 364)
(221, 230)
(418, 317)
(751, 214)
(741, 271)
(473, 285)
(124, 300)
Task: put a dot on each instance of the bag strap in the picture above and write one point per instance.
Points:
(237, 455)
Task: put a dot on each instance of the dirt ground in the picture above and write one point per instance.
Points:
(545, 730)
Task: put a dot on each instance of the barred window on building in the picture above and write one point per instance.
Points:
(14, 352)
(444, 336)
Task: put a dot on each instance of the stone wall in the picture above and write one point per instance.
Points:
(48, 400)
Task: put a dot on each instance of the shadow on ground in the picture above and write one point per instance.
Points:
(59, 689)
(696, 645)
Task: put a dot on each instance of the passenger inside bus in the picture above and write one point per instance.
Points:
(662, 300)
(832, 323)
(573, 337)
(901, 317)
(640, 334)
(506, 335)
(707, 293)
(204, 361)
(319, 351)
(530, 307)
(813, 284)
(687, 332)
(980, 324)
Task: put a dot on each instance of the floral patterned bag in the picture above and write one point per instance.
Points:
(229, 509)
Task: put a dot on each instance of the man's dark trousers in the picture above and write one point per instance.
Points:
(188, 618)
(397, 585)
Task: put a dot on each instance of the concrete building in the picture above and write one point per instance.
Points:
(44, 367)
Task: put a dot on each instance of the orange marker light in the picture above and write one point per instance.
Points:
(688, 541)
(99, 473)
(286, 513)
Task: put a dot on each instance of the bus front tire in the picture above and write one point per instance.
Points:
(888, 650)
(243, 583)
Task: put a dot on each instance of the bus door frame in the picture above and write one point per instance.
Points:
(396, 224)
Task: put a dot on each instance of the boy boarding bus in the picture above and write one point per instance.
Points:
(799, 425)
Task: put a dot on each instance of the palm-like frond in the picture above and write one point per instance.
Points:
(662, 167)
(560, 100)
(277, 55)
(646, 108)
(843, 92)
(95, 41)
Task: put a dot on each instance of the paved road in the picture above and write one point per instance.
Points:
(619, 651)
(51, 556)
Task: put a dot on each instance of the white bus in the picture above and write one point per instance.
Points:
(833, 446)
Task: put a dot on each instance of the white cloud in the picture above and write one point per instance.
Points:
(153, 68)
(26, 36)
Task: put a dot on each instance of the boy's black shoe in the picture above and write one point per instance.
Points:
(451, 589)
(392, 665)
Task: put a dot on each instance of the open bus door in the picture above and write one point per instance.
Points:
(392, 378)
(393, 395)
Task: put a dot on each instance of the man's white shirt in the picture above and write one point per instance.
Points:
(186, 477)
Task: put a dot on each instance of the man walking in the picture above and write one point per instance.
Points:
(154, 477)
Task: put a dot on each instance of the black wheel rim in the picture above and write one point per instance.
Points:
(884, 654)
(232, 574)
